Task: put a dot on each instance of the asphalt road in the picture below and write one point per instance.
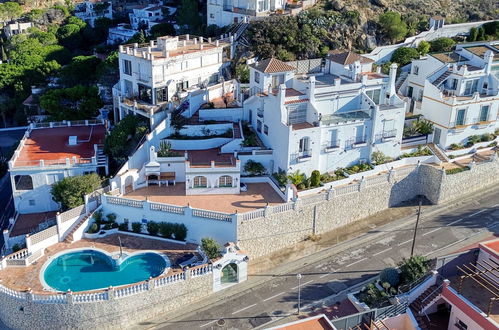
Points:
(278, 296)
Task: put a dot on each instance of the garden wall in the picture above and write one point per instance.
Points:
(259, 235)
(103, 310)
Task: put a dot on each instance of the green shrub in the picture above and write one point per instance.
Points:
(166, 229)
(315, 178)
(254, 168)
(97, 216)
(152, 228)
(487, 137)
(111, 217)
(281, 178)
(297, 178)
(210, 247)
(107, 226)
(16, 247)
(136, 227)
(420, 151)
(114, 225)
(69, 191)
(390, 275)
(413, 269)
(456, 146)
(379, 158)
(123, 226)
(94, 228)
(180, 231)
(456, 170)
(493, 144)
(473, 139)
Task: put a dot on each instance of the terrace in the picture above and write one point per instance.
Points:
(257, 196)
(22, 278)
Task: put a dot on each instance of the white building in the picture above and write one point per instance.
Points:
(12, 29)
(166, 70)
(227, 12)
(48, 154)
(145, 17)
(120, 34)
(334, 118)
(457, 91)
(90, 10)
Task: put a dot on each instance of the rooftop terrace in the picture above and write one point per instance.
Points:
(52, 145)
(257, 196)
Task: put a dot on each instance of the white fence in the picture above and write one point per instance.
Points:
(107, 294)
(42, 239)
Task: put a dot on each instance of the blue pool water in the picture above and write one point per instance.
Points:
(92, 269)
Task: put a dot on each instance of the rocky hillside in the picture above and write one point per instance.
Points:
(366, 35)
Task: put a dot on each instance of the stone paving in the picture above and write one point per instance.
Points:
(22, 278)
(257, 196)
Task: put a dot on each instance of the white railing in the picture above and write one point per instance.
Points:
(166, 208)
(350, 189)
(212, 215)
(131, 290)
(49, 298)
(200, 271)
(90, 297)
(125, 202)
(43, 235)
(13, 293)
(162, 281)
(73, 213)
(252, 214)
(281, 208)
(382, 178)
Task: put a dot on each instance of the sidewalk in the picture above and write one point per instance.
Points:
(310, 252)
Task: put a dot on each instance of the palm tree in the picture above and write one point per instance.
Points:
(296, 177)
(425, 127)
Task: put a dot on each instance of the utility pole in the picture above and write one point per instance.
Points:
(416, 227)
(298, 276)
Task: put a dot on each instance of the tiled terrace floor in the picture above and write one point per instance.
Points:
(26, 223)
(257, 196)
(22, 278)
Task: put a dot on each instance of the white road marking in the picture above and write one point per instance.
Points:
(277, 295)
(208, 323)
(410, 240)
(496, 205)
(446, 246)
(453, 222)
(356, 262)
(472, 215)
(302, 284)
(330, 273)
(380, 252)
(432, 231)
(243, 309)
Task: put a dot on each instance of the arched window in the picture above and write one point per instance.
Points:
(229, 274)
(200, 182)
(23, 182)
(225, 181)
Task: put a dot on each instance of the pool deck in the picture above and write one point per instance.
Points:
(23, 278)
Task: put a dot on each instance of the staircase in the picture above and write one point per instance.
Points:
(69, 238)
(437, 152)
(400, 81)
(421, 302)
(101, 156)
(440, 79)
(236, 130)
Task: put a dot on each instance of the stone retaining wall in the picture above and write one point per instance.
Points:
(264, 235)
(20, 313)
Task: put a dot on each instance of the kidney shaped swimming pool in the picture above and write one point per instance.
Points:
(90, 269)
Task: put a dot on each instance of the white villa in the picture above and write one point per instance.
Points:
(165, 70)
(90, 10)
(145, 17)
(47, 154)
(120, 34)
(15, 28)
(227, 12)
(457, 91)
(333, 118)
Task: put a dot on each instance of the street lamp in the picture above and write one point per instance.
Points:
(298, 276)
(416, 227)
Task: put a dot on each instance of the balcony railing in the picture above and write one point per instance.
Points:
(332, 145)
(304, 155)
(386, 135)
(357, 141)
(345, 117)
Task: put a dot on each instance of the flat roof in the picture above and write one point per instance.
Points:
(319, 322)
(492, 246)
(51, 144)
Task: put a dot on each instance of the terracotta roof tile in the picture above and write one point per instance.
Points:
(273, 65)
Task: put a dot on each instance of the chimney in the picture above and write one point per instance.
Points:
(489, 58)
(391, 79)
(186, 37)
(151, 43)
(217, 43)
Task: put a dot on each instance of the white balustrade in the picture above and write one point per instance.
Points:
(212, 215)
(125, 202)
(167, 208)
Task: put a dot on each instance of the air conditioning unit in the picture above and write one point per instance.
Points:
(73, 140)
